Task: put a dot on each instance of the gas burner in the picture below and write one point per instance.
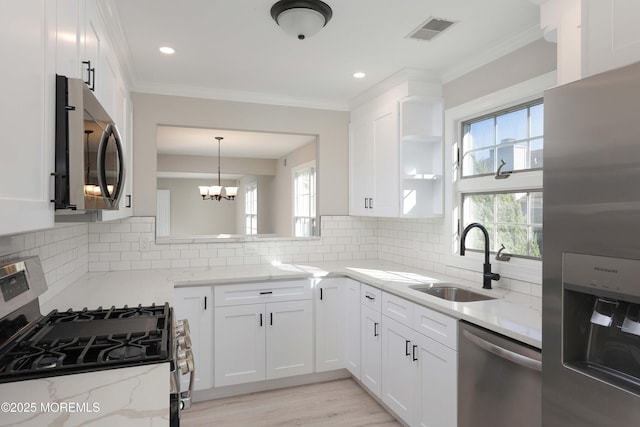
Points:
(126, 352)
(48, 362)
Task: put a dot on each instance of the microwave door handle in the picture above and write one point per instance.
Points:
(102, 150)
(100, 170)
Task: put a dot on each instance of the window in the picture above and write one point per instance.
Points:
(513, 137)
(251, 208)
(304, 199)
(509, 206)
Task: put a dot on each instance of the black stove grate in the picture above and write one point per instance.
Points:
(88, 340)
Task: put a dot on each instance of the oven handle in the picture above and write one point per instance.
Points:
(509, 355)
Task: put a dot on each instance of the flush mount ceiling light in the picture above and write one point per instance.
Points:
(167, 50)
(214, 192)
(301, 18)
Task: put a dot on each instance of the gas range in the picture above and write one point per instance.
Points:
(89, 340)
(83, 351)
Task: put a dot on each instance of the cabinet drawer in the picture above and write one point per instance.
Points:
(272, 291)
(437, 326)
(398, 309)
(371, 297)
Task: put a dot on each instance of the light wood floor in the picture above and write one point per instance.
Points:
(334, 403)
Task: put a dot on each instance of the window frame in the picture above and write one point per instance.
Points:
(529, 180)
(313, 219)
(250, 215)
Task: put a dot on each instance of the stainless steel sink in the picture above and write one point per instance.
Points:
(451, 292)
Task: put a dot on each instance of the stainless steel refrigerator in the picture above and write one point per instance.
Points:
(591, 252)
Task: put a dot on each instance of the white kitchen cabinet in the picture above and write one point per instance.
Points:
(370, 349)
(330, 301)
(399, 356)
(396, 155)
(255, 340)
(240, 342)
(436, 384)
(421, 157)
(70, 18)
(374, 163)
(611, 34)
(93, 48)
(289, 339)
(27, 29)
(195, 305)
(419, 374)
(352, 344)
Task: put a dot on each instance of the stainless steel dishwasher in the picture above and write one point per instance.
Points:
(499, 380)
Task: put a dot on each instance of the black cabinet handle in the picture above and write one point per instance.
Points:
(370, 298)
(266, 292)
(93, 79)
(260, 319)
(205, 303)
(128, 201)
(88, 64)
(320, 294)
(375, 329)
(271, 319)
(406, 348)
(413, 356)
(366, 203)
(91, 76)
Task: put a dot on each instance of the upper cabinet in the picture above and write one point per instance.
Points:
(27, 28)
(611, 34)
(395, 153)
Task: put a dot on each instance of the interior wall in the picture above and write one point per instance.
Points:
(532, 60)
(332, 128)
(283, 183)
(190, 215)
(205, 164)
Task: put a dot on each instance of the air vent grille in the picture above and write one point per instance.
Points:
(431, 28)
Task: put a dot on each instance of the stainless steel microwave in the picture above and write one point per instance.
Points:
(89, 157)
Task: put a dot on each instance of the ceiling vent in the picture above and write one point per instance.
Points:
(430, 29)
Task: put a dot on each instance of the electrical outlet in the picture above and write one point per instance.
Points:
(144, 244)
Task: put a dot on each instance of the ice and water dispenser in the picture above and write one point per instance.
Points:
(601, 318)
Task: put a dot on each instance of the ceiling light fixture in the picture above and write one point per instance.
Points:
(301, 18)
(214, 192)
(359, 75)
(167, 50)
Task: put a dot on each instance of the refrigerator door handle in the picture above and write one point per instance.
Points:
(509, 355)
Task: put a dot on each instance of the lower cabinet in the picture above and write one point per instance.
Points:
(419, 376)
(195, 304)
(352, 328)
(370, 346)
(329, 323)
(254, 342)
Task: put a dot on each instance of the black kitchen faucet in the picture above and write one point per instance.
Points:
(487, 275)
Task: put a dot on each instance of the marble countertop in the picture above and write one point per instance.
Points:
(516, 315)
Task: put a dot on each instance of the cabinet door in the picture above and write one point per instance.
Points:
(239, 344)
(94, 42)
(69, 15)
(330, 318)
(370, 349)
(385, 174)
(398, 368)
(27, 29)
(195, 305)
(436, 398)
(360, 167)
(289, 338)
(352, 344)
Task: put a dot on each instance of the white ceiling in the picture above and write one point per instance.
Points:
(202, 142)
(232, 49)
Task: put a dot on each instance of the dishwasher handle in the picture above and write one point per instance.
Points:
(509, 355)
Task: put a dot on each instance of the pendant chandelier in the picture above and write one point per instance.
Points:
(214, 192)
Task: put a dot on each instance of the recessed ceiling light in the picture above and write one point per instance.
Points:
(359, 75)
(167, 50)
